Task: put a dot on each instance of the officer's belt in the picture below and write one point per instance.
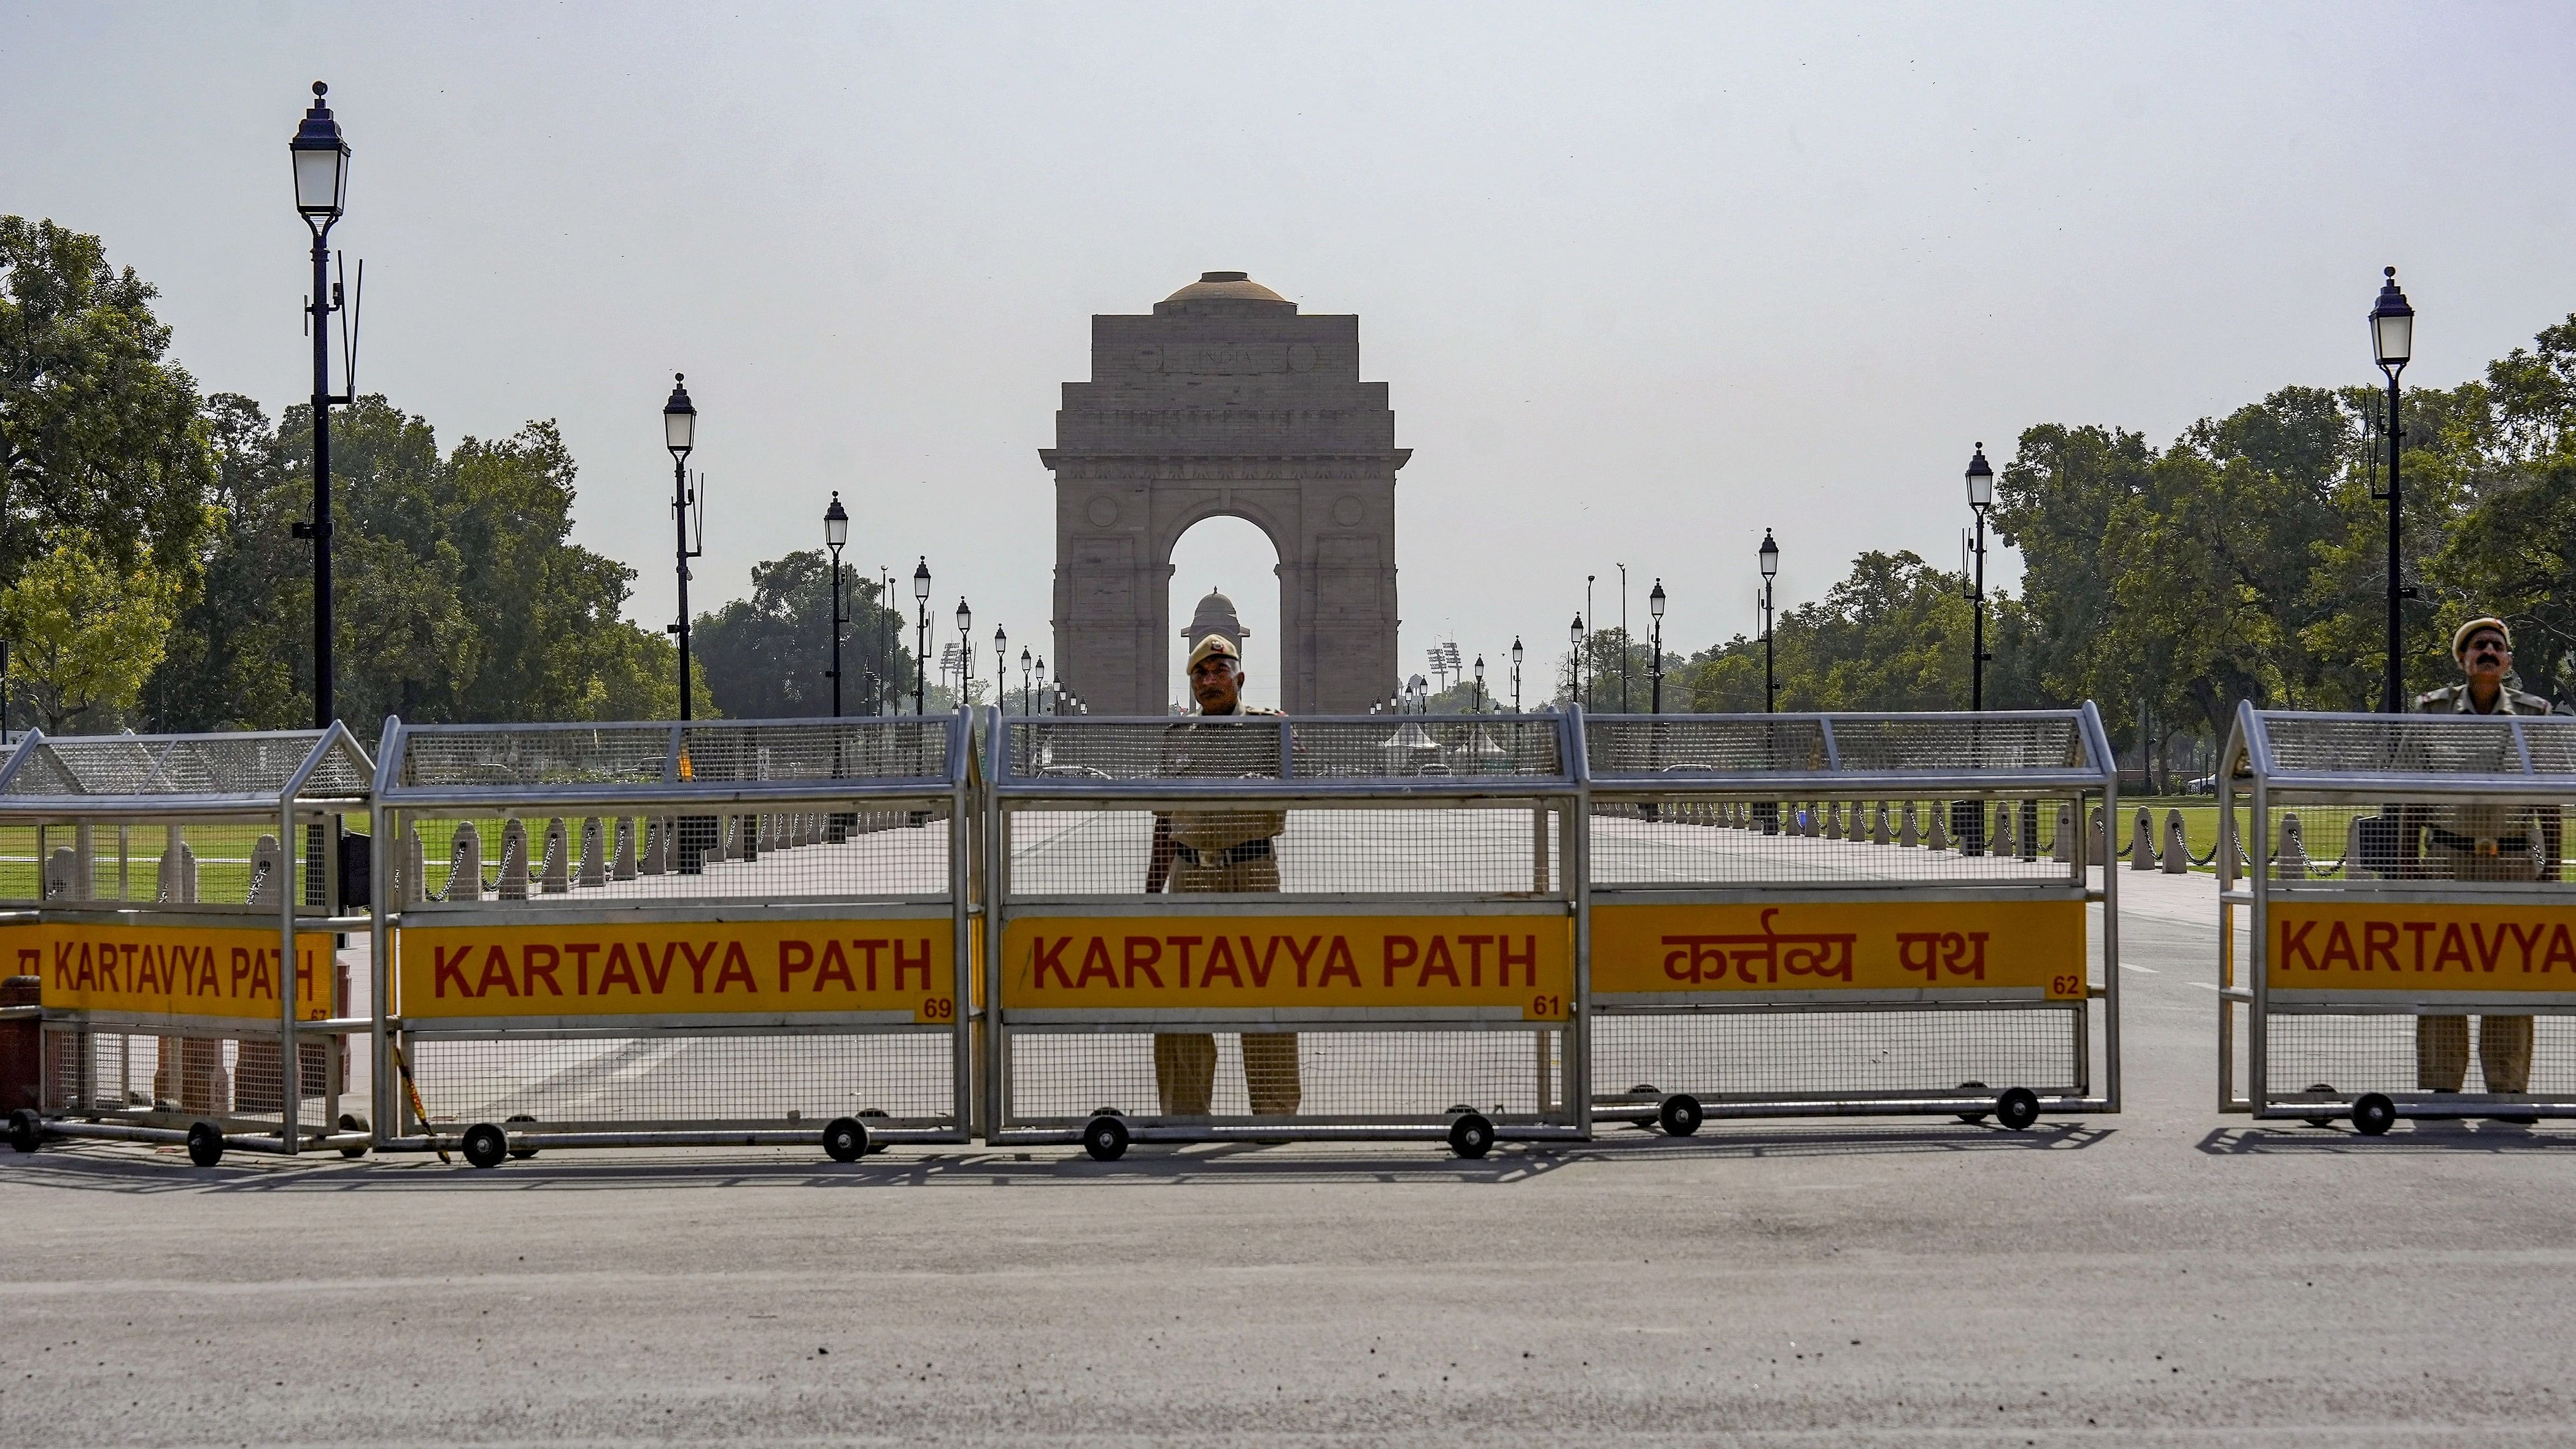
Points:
(1231, 855)
(2478, 844)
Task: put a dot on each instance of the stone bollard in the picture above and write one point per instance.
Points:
(2063, 849)
(412, 886)
(2001, 844)
(267, 873)
(2290, 862)
(2142, 843)
(1940, 836)
(2177, 855)
(555, 878)
(656, 859)
(465, 864)
(514, 862)
(1833, 820)
(621, 864)
(1811, 822)
(594, 852)
(2097, 839)
(1878, 834)
(1909, 834)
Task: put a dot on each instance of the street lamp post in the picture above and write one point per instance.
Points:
(1981, 496)
(921, 635)
(321, 192)
(836, 532)
(1655, 607)
(1025, 696)
(1624, 637)
(965, 653)
(1770, 556)
(680, 435)
(1574, 663)
(1588, 687)
(1480, 684)
(2392, 342)
(1001, 669)
(1516, 674)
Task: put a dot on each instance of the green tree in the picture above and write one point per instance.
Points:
(98, 429)
(769, 656)
(88, 630)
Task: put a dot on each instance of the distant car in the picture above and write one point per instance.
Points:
(2205, 785)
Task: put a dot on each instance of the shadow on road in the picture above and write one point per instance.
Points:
(102, 1167)
(2412, 1136)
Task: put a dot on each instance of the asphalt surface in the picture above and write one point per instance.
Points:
(2167, 1275)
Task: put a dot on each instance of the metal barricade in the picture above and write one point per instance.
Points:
(156, 884)
(1365, 928)
(2410, 936)
(717, 933)
(1847, 914)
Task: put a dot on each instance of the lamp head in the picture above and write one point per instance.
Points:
(921, 581)
(2392, 326)
(1981, 480)
(836, 524)
(1575, 635)
(965, 616)
(1655, 600)
(321, 163)
(1769, 553)
(679, 418)
(1516, 651)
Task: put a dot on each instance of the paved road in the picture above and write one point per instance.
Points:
(2165, 1276)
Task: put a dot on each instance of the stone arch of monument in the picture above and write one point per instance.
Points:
(1225, 402)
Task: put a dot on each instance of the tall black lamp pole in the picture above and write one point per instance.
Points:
(836, 532)
(1981, 496)
(921, 634)
(965, 652)
(321, 192)
(1655, 607)
(680, 434)
(2392, 341)
(1516, 674)
(1770, 556)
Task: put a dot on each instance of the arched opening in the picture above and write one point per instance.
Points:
(1234, 557)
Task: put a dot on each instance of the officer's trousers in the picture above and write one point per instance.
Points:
(1185, 1062)
(2504, 1042)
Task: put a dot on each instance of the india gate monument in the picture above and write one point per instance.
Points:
(1225, 401)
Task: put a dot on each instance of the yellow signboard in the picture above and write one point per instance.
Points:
(765, 968)
(197, 971)
(1274, 963)
(2395, 946)
(1963, 948)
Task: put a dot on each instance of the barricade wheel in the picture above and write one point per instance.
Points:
(1105, 1138)
(486, 1145)
(352, 1122)
(205, 1144)
(2328, 1089)
(1471, 1135)
(26, 1130)
(2017, 1108)
(521, 1153)
(1972, 1118)
(2373, 1114)
(1680, 1115)
(845, 1140)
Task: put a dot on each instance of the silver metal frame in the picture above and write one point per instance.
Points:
(286, 807)
(958, 788)
(2250, 764)
(2097, 779)
(1564, 1113)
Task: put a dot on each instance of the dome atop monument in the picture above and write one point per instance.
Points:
(1224, 292)
(1215, 615)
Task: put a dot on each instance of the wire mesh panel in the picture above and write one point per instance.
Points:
(2411, 941)
(1845, 913)
(1218, 926)
(178, 900)
(640, 933)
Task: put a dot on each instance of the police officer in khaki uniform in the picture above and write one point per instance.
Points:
(2479, 842)
(1220, 850)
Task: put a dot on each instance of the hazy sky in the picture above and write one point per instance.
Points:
(1642, 280)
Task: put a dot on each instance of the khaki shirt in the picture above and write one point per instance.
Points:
(2485, 821)
(1211, 751)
